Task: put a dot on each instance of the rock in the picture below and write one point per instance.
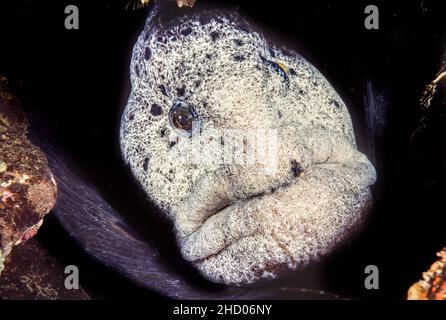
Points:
(32, 273)
(433, 285)
(27, 187)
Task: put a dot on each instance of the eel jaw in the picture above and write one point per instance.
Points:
(215, 201)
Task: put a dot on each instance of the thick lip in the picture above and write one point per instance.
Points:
(189, 242)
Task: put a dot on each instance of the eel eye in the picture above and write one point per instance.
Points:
(183, 119)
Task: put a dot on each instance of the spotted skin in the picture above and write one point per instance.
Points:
(238, 223)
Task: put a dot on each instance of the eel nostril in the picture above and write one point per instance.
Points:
(296, 169)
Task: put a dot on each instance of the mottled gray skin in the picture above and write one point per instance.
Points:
(237, 223)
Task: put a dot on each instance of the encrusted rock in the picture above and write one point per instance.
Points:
(433, 285)
(27, 187)
(186, 3)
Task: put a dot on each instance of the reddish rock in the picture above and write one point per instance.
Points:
(31, 273)
(433, 285)
(27, 187)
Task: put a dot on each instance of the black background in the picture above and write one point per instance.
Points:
(78, 80)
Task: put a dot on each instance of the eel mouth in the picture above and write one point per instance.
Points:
(220, 217)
